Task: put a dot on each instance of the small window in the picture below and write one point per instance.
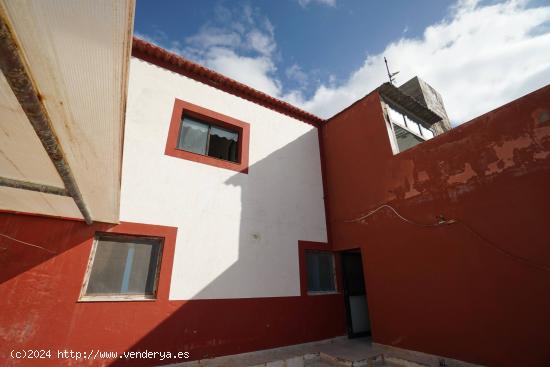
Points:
(123, 267)
(199, 137)
(320, 272)
(405, 139)
(407, 132)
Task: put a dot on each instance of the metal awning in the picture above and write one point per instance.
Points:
(62, 106)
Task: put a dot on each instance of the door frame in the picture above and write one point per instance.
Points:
(345, 292)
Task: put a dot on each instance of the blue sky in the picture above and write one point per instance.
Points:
(322, 55)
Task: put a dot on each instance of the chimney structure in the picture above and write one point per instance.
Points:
(429, 97)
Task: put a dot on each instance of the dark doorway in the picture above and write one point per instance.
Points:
(355, 294)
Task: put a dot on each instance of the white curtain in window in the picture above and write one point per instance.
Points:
(193, 136)
(222, 133)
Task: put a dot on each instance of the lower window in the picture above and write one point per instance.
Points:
(122, 267)
(321, 276)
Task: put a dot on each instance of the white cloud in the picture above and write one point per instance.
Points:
(238, 43)
(305, 3)
(479, 58)
(261, 42)
(296, 73)
(211, 36)
(256, 72)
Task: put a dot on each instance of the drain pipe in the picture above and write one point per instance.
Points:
(19, 79)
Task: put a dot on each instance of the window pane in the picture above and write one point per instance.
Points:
(193, 135)
(413, 125)
(223, 144)
(107, 269)
(426, 133)
(124, 266)
(396, 117)
(405, 139)
(320, 272)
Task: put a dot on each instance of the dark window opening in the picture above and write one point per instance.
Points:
(199, 137)
(320, 272)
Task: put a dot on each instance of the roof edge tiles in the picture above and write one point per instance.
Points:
(159, 56)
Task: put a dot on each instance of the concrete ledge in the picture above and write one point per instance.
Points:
(411, 358)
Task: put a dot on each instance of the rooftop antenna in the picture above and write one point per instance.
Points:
(391, 76)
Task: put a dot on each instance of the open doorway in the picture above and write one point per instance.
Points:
(355, 294)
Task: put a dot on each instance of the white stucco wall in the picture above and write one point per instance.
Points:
(237, 233)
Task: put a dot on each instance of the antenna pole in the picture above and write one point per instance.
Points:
(391, 76)
(388, 69)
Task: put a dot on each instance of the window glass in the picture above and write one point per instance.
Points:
(426, 133)
(124, 265)
(405, 139)
(413, 125)
(202, 138)
(223, 144)
(408, 132)
(396, 117)
(320, 272)
(193, 135)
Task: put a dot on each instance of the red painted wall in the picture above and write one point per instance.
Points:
(445, 290)
(39, 308)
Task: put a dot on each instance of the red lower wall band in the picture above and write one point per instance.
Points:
(39, 308)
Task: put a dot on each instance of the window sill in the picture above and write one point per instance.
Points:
(322, 293)
(199, 157)
(116, 299)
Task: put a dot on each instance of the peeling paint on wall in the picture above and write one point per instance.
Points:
(491, 174)
(507, 153)
(464, 176)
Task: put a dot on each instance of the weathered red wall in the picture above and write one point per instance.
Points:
(445, 290)
(39, 308)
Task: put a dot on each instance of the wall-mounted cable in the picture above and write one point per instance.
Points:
(27, 244)
(442, 221)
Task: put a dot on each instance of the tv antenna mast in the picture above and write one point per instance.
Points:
(391, 76)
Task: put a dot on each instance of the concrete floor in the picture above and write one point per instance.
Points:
(355, 350)
(333, 352)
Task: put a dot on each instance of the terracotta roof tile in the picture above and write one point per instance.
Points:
(171, 61)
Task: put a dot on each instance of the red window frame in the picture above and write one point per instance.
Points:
(164, 269)
(216, 119)
(305, 246)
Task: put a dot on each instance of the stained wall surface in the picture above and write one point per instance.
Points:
(475, 290)
(77, 55)
(239, 232)
(230, 270)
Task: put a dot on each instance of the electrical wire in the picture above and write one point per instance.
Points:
(441, 222)
(444, 221)
(26, 243)
(503, 251)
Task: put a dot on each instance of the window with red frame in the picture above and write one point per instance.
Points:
(321, 272)
(204, 136)
(201, 137)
